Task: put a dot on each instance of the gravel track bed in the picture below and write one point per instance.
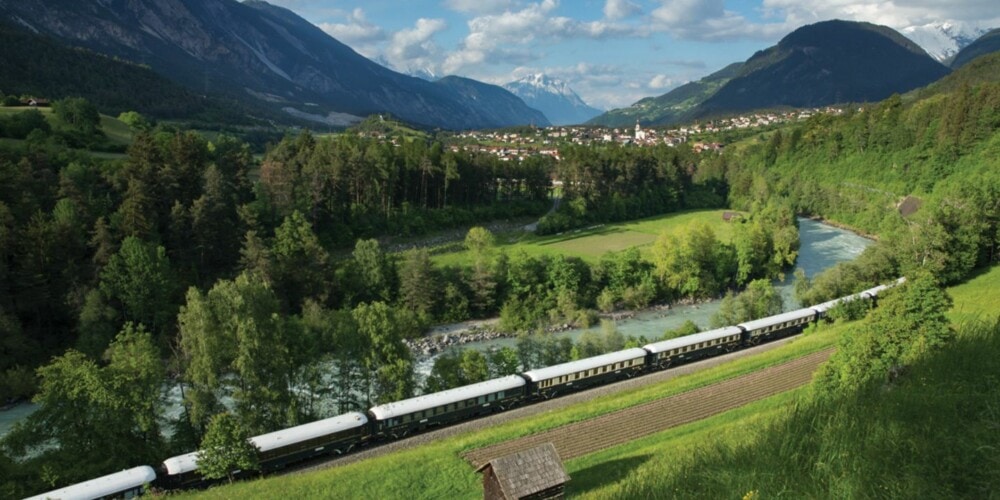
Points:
(582, 438)
(541, 407)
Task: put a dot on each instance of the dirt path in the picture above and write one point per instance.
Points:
(582, 438)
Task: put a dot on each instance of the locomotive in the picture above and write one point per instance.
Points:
(343, 433)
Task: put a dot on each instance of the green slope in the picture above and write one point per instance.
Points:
(986, 44)
(669, 108)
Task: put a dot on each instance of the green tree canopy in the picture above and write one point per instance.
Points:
(226, 448)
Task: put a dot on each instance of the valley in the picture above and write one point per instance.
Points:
(226, 225)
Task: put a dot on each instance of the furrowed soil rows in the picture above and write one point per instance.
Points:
(608, 430)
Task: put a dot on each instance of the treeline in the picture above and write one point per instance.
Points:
(923, 176)
(350, 187)
(615, 183)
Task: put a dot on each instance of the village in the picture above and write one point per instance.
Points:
(518, 145)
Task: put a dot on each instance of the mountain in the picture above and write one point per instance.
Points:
(826, 63)
(251, 51)
(38, 66)
(942, 40)
(672, 107)
(986, 44)
(554, 98)
(498, 104)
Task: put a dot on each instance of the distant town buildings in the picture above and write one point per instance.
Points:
(514, 146)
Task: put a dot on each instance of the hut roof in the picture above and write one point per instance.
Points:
(528, 472)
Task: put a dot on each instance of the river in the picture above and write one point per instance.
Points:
(821, 246)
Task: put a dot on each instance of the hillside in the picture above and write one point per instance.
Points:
(986, 44)
(253, 52)
(499, 106)
(826, 63)
(672, 107)
(37, 66)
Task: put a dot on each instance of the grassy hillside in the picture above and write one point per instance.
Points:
(669, 108)
(930, 434)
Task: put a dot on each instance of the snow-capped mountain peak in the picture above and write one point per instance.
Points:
(553, 97)
(540, 82)
(942, 40)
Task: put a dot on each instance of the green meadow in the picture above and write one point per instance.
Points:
(593, 242)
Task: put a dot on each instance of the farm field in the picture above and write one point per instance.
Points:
(591, 243)
(624, 426)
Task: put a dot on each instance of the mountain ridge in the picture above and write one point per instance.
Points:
(252, 50)
(826, 63)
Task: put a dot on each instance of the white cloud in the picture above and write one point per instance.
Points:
(478, 6)
(898, 14)
(414, 48)
(660, 82)
(516, 37)
(620, 9)
(357, 30)
(708, 20)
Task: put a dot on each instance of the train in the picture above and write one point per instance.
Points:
(391, 421)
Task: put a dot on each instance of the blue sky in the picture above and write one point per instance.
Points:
(612, 52)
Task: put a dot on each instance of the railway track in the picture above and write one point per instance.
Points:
(583, 396)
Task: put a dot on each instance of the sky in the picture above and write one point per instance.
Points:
(611, 52)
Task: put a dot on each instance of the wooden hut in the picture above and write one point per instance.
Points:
(534, 473)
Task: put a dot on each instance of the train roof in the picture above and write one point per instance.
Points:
(584, 364)
(830, 304)
(103, 486)
(666, 345)
(305, 432)
(181, 463)
(427, 401)
(277, 439)
(777, 318)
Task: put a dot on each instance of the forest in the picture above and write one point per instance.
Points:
(190, 264)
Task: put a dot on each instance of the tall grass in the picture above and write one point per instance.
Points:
(934, 432)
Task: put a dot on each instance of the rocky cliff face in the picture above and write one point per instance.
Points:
(249, 50)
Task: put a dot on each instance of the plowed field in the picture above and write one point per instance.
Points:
(608, 430)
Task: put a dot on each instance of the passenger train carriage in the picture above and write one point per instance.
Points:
(547, 382)
(691, 347)
(335, 435)
(125, 484)
(389, 421)
(410, 415)
(776, 326)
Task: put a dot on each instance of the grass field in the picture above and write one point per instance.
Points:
(118, 132)
(591, 243)
(438, 471)
(976, 298)
(930, 433)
